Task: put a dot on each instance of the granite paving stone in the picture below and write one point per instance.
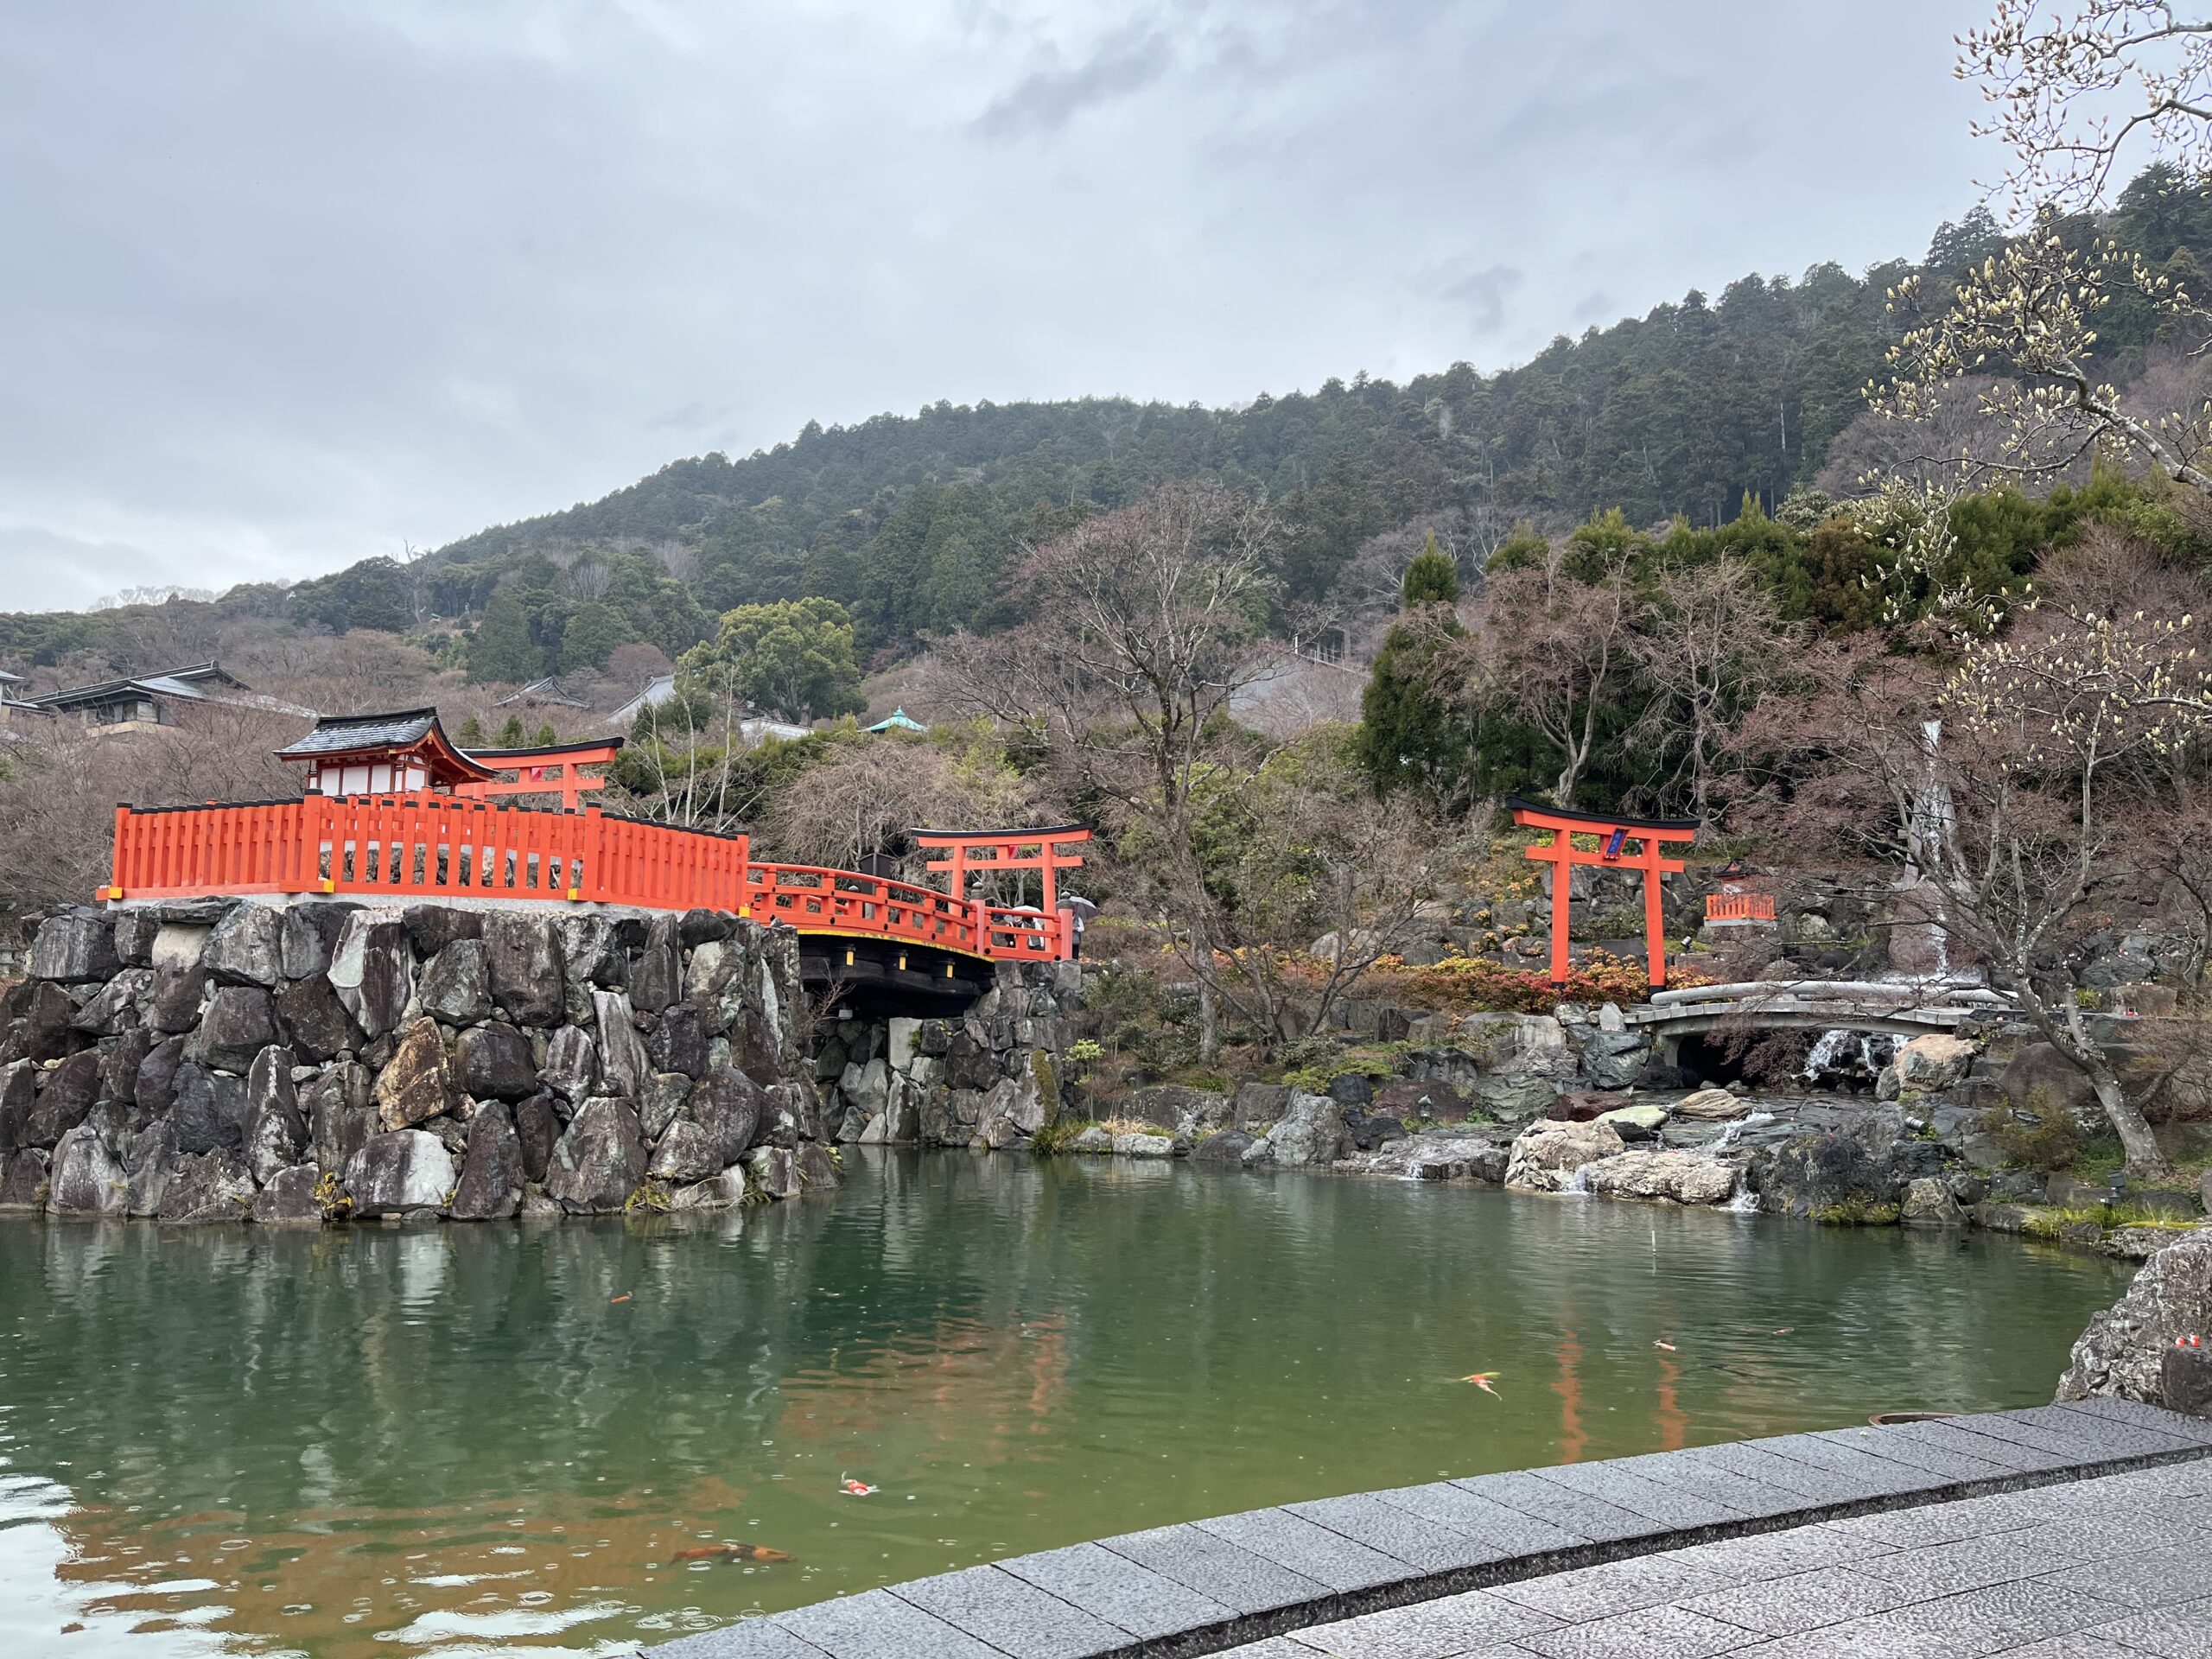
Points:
(1953, 1466)
(1691, 1472)
(2102, 1426)
(1670, 1505)
(1657, 1633)
(876, 1624)
(749, 1638)
(1492, 1524)
(2181, 1631)
(2142, 1416)
(1784, 1555)
(1312, 1552)
(1118, 1590)
(2007, 1454)
(1562, 1506)
(1813, 1484)
(1827, 1595)
(1397, 1533)
(1012, 1615)
(1213, 1567)
(2005, 1615)
(1975, 1563)
(1883, 1474)
(1614, 1588)
(1941, 1523)
(1432, 1630)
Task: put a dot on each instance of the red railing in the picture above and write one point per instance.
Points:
(412, 846)
(1739, 907)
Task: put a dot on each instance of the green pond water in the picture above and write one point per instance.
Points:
(468, 1440)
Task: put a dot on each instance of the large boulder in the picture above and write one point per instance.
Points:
(1928, 1064)
(156, 1090)
(771, 1171)
(42, 1031)
(623, 1062)
(178, 995)
(416, 1084)
(686, 1153)
(372, 970)
(433, 927)
(133, 931)
(457, 984)
(2123, 1350)
(288, 1198)
(320, 1027)
(341, 1112)
(149, 1162)
(723, 1191)
(407, 1169)
(75, 947)
(86, 1179)
(276, 1134)
(490, 1188)
(1928, 1202)
(309, 937)
(23, 1180)
(1309, 1134)
(599, 1161)
(495, 1062)
(1255, 1105)
(18, 1098)
(65, 1098)
(526, 965)
(1850, 1171)
(656, 975)
(1683, 1177)
(678, 1040)
(120, 1066)
(1712, 1106)
(1224, 1149)
(537, 1128)
(571, 1068)
(240, 1021)
(247, 947)
(1546, 1155)
(210, 1110)
(114, 1007)
(208, 1186)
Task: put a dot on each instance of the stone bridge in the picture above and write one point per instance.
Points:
(1901, 1008)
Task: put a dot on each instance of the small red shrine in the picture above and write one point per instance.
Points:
(408, 753)
(1611, 836)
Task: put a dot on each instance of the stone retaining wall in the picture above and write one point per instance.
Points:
(233, 1060)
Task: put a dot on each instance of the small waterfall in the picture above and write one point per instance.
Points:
(1745, 1203)
(1576, 1184)
(1849, 1057)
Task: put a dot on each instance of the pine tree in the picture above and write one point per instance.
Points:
(511, 735)
(471, 734)
(547, 737)
(503, 649)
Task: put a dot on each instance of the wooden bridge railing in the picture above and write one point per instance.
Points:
(1739, 907)
(417, 846)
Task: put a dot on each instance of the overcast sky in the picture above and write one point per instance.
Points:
(284, 283)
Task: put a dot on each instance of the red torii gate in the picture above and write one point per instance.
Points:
(1613, 836)
(984, 850)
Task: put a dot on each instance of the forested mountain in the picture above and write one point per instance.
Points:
(912, 522)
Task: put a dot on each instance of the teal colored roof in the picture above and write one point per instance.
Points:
(897, 721)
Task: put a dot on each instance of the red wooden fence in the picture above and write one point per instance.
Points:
(414, 847)
(1739, 907)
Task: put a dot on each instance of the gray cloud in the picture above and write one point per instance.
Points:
(1047, 100)
(294, 281)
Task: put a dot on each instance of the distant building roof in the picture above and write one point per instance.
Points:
(757, 729)
(11, 679)
(897, 721)
(548, 689)
(658, 690)
(183, 682)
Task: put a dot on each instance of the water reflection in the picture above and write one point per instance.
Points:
(450, 1441)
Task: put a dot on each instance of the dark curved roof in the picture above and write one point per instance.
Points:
(342, 733)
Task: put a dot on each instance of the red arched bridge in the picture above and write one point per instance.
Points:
(449, 831)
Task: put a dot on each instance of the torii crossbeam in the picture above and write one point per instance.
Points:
(1613, 835)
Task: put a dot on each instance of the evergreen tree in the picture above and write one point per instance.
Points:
(511, 735)
(471, 734)
(1407, 735)
(547, 737)
(503, 649)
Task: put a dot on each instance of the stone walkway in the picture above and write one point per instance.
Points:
(2055, 1533)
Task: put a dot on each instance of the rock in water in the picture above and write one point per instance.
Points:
(275, 1132)
(1224, 1149)
(1137, 1144)
(65, 1099)
(686, 1153)
(492, 1174)
(537, 1125)
(287, 1199)
(2121, 1353)
(1683, 1177)
(773, 1171)
(1928, 1203)
(1928, 1064)
(599, 1161)
(208, 1186)
(416, 1082)
(407, 1169)
(729, 1106)
(817, 1167)
(1545, 1156)
(1309, 1134)
(86, 1180)
(23, 1179)
(721, 1191)
(372, 970)
(341, 1114)
(1711, 1106)
(1099, 1139)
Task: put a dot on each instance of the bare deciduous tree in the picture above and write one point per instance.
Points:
(1710, 640)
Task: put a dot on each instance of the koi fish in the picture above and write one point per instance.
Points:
(730, 1553)
(1482, 1380)
(624, 1297)
(852, 1488)
(1663, 1344)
